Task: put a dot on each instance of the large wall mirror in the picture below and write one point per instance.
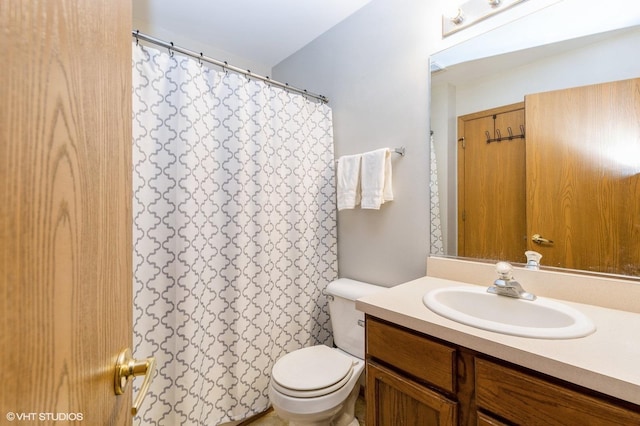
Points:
(467, 83)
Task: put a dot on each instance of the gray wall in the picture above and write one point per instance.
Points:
(374, 69)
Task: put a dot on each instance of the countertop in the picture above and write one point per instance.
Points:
(606, 361)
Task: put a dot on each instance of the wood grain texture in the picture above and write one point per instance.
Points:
(491, 186)
(489, 392)
(395, 400)
(424, 359)
(486, 420)
(583, 176)
(65, 207)
(528, 400)
(466, 396)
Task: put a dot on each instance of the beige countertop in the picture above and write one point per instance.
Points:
(607, 361)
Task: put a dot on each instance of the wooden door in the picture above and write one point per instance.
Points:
(395, 400)
(65, 209)
(583, 176)
(491, 185)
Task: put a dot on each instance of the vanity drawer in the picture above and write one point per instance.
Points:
(416, 355)
(526, 399)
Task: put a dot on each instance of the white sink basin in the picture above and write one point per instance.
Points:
(541, 318)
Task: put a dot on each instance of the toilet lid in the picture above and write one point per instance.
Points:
(312, 370)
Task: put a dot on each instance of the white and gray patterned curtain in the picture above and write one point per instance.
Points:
(437, 246)
(234, 234)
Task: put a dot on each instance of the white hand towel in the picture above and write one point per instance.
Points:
(348, 181)
(376, 178)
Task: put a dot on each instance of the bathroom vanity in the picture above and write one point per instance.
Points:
(424, 380)
(423, 368)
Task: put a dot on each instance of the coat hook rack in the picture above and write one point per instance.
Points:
(500, 138)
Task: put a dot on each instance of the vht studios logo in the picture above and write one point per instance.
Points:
(43, 417)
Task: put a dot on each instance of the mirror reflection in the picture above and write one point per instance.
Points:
(540, 150)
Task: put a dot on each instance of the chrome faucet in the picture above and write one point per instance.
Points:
(505, 285)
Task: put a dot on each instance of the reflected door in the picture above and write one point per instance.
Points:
(583, 176)
(491, 184)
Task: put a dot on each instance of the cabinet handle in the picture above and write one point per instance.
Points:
(127, 368)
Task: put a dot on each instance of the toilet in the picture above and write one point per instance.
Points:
(319, 385)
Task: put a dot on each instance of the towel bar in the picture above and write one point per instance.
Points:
(401, 151)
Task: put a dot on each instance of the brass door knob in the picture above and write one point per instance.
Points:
(127, 368)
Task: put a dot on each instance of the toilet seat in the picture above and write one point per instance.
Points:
(311, 372)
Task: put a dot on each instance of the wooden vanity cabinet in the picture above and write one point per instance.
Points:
(487, 420)
(414, 379)
(393, 399)
(525, 398)
(411, 380)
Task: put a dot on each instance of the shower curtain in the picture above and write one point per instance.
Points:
(234, 229)
(437, 245)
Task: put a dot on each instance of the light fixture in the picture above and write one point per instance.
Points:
(471, 12)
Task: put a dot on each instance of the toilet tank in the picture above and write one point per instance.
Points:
(346, 321)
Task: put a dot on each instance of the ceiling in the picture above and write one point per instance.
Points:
(458, 73)
(264, 31)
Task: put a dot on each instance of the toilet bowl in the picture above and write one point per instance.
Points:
(319, 385)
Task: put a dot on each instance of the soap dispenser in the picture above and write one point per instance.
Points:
(533, 259)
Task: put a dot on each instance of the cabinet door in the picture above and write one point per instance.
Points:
(486, 420)
(528, 400)
(395, 400)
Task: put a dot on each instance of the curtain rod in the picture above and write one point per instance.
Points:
(223, 64)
